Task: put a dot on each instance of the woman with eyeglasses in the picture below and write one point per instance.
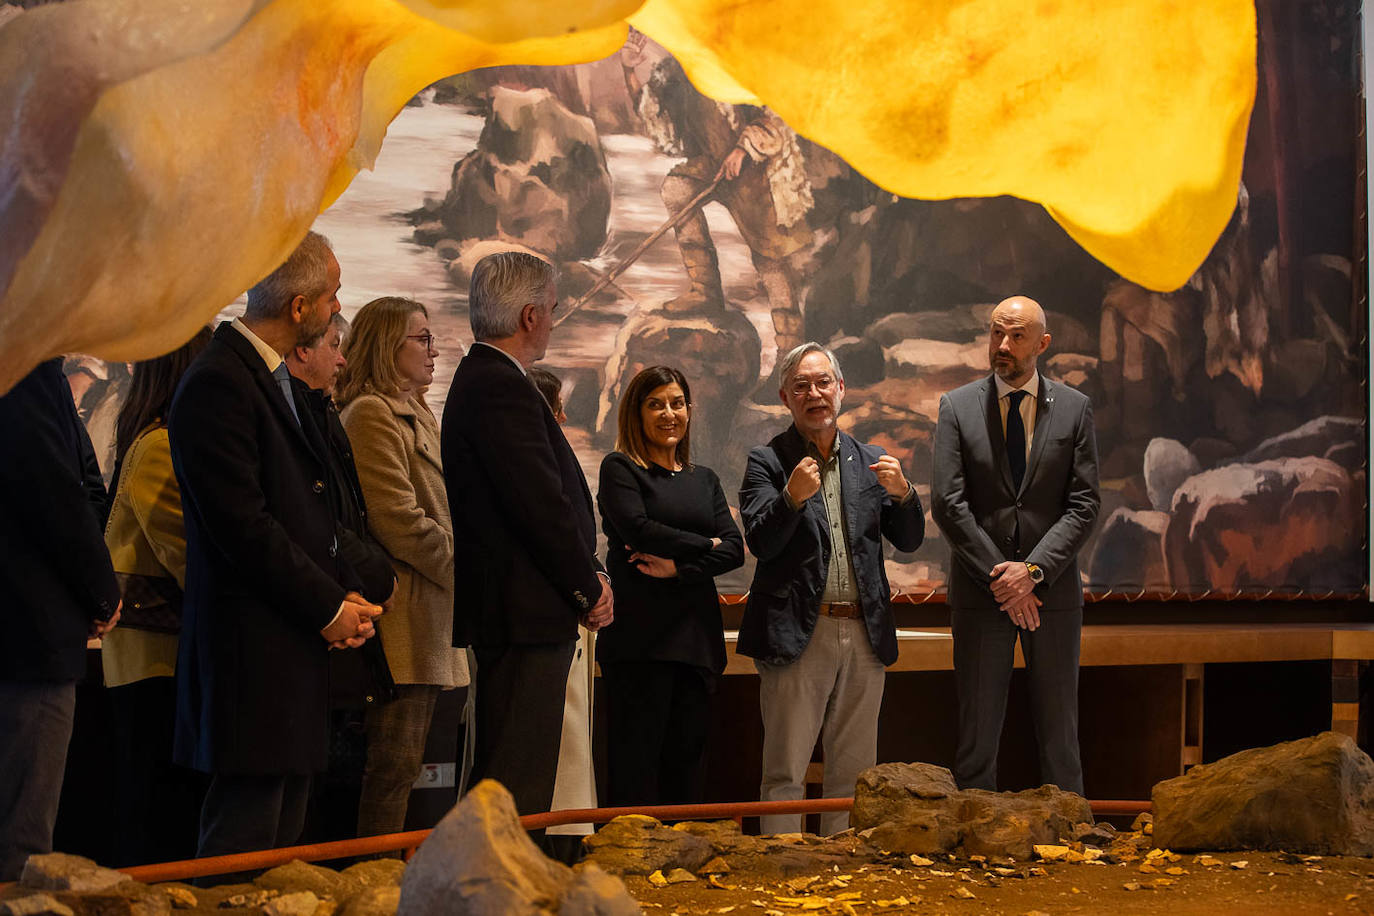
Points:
(669, 533)
(395, 439)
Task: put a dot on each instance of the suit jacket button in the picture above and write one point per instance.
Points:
(318, 487)
(333, 550)
(1018, 504)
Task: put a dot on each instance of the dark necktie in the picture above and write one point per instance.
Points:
(1016, 437)
(283, 377)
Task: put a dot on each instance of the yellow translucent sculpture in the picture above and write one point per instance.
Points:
(159, 157)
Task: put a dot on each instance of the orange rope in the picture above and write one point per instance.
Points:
(407, 842)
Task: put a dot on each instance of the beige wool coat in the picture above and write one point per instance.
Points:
(396, 449)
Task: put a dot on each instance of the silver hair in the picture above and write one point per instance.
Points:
(788, 367)
(336, 321)
(502, 285)
(305, 272)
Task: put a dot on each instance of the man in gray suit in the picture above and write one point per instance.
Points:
(1016, 494)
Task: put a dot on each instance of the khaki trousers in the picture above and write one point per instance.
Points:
(834, 691)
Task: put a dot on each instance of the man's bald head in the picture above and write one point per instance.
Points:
(1023, 309)
(1016, 337)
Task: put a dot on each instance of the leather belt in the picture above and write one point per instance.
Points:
(847, 610)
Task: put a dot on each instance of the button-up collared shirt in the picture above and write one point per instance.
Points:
(1028, 405)
(839, 578)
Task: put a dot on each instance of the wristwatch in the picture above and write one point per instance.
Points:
(1036, 573)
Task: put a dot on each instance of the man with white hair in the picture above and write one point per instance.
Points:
(816, 505)
(525, 562)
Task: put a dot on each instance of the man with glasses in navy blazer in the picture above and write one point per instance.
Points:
(816, 505)
(1016, 495)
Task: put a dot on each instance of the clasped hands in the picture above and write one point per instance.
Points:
(354, 625)
(805, 479)
(1015, 592)
(603, 612)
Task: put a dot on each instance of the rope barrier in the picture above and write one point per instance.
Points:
(406, 843)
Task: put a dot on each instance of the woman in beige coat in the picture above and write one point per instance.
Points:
(395, 439)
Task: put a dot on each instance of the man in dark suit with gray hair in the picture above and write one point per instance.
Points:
(269, 590)
(525, 565)
(1016, 495)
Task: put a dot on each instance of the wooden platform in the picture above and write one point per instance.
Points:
(1142, 698)
(1195, 644)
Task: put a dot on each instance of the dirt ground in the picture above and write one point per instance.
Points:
(1175, 884)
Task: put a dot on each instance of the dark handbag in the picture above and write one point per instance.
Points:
(150, 603)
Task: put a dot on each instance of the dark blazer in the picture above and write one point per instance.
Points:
(793, 547)
(359, 677)
(368, 568)
(262, 577)
(54, 568)
(524, 533)
(979, 512)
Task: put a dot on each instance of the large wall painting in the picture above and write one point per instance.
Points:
(1229, 412)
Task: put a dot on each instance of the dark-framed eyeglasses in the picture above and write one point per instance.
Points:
(428, 340)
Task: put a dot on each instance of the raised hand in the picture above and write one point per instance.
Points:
(804, 482)
(889, 471)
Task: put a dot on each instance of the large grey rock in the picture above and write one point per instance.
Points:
(377, 872)
(537, 178)
(58, 871)
(1167, 464)
(916, 808)
(1316, 437)
(724, 836)
(373, 901)
(1314, 795)
(595, 893)
(295, 903)
(34, 905)
(1291, 524)
(479, 861)
(635, 844)
(297, 876)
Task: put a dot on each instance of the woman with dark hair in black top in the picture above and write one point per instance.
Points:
(670, 533)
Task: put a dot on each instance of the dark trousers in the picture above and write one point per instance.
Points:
(658, 717)
(35, 730)
(519, 703)
(157, 803)
(984, 647)
(245, 812)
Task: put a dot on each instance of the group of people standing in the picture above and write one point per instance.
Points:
(283, 490)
